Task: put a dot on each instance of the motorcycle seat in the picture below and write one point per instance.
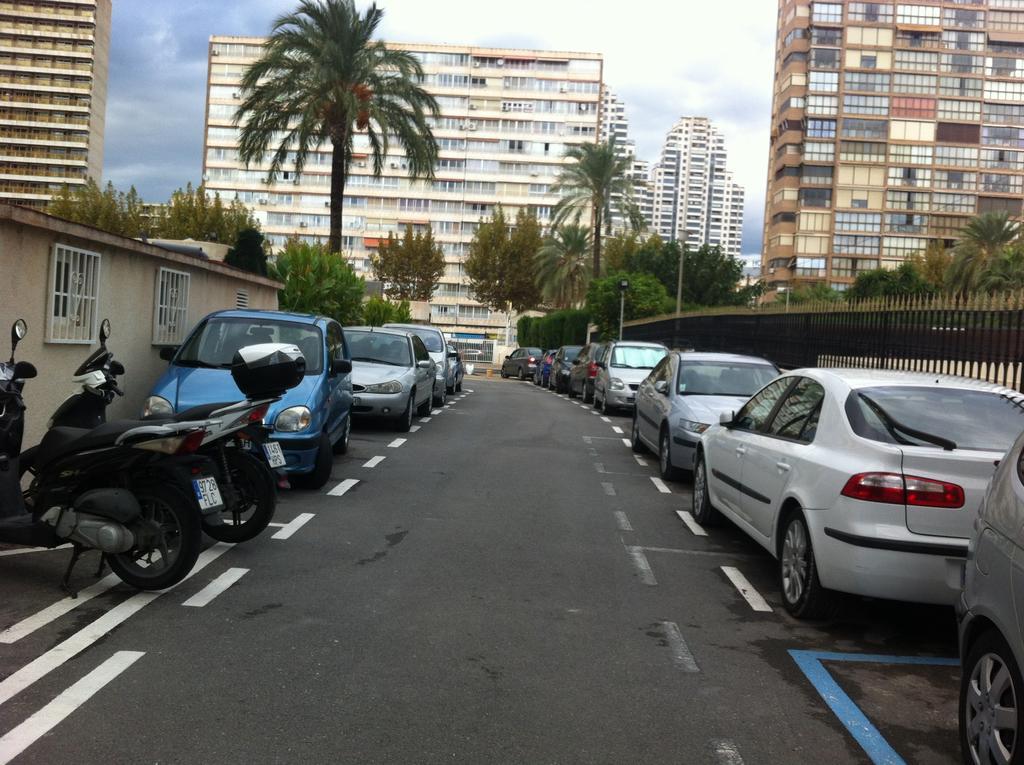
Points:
(201, 412)
(60, 441)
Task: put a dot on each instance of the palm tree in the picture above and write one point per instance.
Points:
(1004, 273)
(563, 270)
(596, 178)
(982, 240)
(322, 77)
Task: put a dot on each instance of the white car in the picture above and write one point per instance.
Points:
(861, 481)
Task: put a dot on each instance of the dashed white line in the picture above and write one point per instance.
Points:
(640, 460)
(681, 655)
(435, 411)
(374, 461)
(27, 626)
(23, 550)
(608, 488)
(660, 485)
(397, 442)
(424, 419)
(22, 736)
(636, 554)
(606, 419)
(627, 442)
(294, 525)
(413, 428)
(343, 487)
(276, 525)
(216, 587)
(726, 752)
(599, 467)
(691, 523)
(623, 521)
(617, 429)
(752, 596)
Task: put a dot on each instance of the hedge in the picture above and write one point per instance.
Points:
(567, 327)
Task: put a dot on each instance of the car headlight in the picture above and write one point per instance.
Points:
(391, 386)
(694, 427)
(157, 406)
(616, 384)
(293, 419)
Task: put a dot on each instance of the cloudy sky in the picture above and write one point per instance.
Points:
(665, 60)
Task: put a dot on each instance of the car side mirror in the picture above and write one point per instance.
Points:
(453, 354)
(167, 353)
(662, 387)
(424, 364)
(601, 365)
(23, 370)
(508, 357)
(340, 366)
(727, 418)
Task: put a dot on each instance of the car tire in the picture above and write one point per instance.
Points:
(802, 593)
(521, 375)
(571, 391)
(458, 387)
(321, 473)
(503, 375)
(987, 658)
(404, 420)
(438, 399)
(341, 445)
(634, 436)
(586, 394)
(668, 471)
(703, 511)
(423, 410)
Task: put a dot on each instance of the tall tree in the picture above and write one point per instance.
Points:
(411, 267)
(108, 209)
(318, 281)
(563, 265)
(659, 259)
(904, 281)
(1005, 272)
(981, 241)
(646, 296)
(248, 253)
(933, 263)
(323, 78)
(711, 277)
(378, 312)
(500, 264)
(596, 178)
(192, 213)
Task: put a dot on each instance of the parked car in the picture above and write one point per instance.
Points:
(437, 347)
(392, 374)
(310, 422)
(558, 377)
(521, 363)
(991, 637)
(686, 393)
(621, 367)
(858, 481)
(584, 370)
(543, 370)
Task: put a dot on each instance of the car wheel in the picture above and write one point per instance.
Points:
(504, 376)
(990, 702)
(458, 386)
(572, 390)
(587, 394)
(703, 511)
(634, 436)
(521, 375)
(341, 446)
(802, 593)
(668, 471)
(321, 469)
(404, 421)
(423, 409)
(439, 398)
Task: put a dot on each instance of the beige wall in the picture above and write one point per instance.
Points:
(128, 273)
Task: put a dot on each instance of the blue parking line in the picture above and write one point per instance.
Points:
(850, 715)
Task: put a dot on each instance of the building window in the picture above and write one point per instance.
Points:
(816, 175)
(902, 247)
(923, 84)
(1001, 158)
(827, 13)
(904, 223)
(927, 15)
(878, 105)
(850, 221)
(857, 128)
(824, 58)
(957, 203)
(998, 90)
(910, 154)
(823, 82)
(966, 156)
(912, 60)
(74, 300)
(810, 266)
(963, 19)
(822, 106)
(910, 176)
(815, 197)
(956, 180)
(907, 200)
(819, 152)
(826, 36)
(1002, 184)
(861, 151)
(821, 128)
(867, 81)
(906, 106)
(170, 307)
(851, 244)
(1002, 136)
(969, 87)
(963, 63)
(875, 13)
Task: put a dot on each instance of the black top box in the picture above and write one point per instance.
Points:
(267, 370)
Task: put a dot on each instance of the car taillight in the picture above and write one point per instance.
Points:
(897, 489)
(592, 369)
(532, 359)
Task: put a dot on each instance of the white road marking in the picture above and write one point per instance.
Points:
(606, 419)
(374, 461)
(599, 467)
(216, 587)
(588, 440)
(726, 752)
(752, 596)
(435, 411)
(397, 442)
(627, 442)
(414, 428)
(468, 390)
(294, 525)
(343, 487)
(50, 716)
(623, 521)
(677, 551)
(424, 419)
(660, 485)
(681, 655)
(608, 488)
(27, 626)
(636, 554)
(276, 525)
(691, 523)
(640, 460)
(23, 550)
(617, 429)
(594, 411)
(42, 665)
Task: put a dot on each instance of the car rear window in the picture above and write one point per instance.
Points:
(430, 337)
(723, 378)
(533, 351)
(216, 341)
(379, 347)
(972, 419)
(572, 351)
(636, 356)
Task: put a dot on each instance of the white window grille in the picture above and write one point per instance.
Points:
(170, 306)
(74, 299)
(241, 298)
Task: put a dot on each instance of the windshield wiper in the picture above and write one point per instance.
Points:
(892, 426)
(377, 361)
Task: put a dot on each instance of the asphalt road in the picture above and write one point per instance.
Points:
(508, 585)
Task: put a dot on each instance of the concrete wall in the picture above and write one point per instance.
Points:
(128, 273)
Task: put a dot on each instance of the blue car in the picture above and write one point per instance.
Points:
(311, 422)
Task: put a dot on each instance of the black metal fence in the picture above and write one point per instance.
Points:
(982, 338)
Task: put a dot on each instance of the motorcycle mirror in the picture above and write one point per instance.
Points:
(104, 331)
(18, 330)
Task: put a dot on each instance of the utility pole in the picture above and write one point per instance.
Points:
(679, 284)
(623, 286)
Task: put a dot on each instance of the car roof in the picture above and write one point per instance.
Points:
(378, 331)
(855, 378)
(414, 326)
(636, 343)
(707, 356)
(254, 313)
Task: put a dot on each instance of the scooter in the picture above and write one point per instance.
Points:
(236, 439)
(119, 489)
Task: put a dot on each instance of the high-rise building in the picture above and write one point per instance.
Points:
(54, 57)
(892, 125)
(507, 117)
(695, 199)
(615, 126)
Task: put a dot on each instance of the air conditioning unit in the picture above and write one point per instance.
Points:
(506, 108)
(262, 201)
(534, 175)
(214, 52)
(476, 64)
(236, 95)
(327, 203)
(563, 89)
(394, 165)
(473, 107)
(360, 164)
(500, 62)
(303, 224)
(472, 126)
(463, 126)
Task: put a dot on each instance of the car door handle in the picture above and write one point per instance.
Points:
(741, 450)
(783, 467)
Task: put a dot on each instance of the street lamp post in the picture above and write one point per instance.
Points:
(623, 286)
(679, 283)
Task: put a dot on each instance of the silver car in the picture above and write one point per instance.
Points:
(621, 367)
(392, 374)
(440, 352)
(684, 395)
(991, 630)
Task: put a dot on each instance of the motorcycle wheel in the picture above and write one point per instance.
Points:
(170, 536)
(256, 499)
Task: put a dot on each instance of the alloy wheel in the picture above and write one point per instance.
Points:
(990, 715)
(699, 487)
(663, 453)
(794, 561)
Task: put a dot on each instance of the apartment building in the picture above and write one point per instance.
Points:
(507, 117)
(893, 124)
(694, 197)
(54, 57)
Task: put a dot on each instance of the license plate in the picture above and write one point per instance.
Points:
(274, 454)
(207, 493)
